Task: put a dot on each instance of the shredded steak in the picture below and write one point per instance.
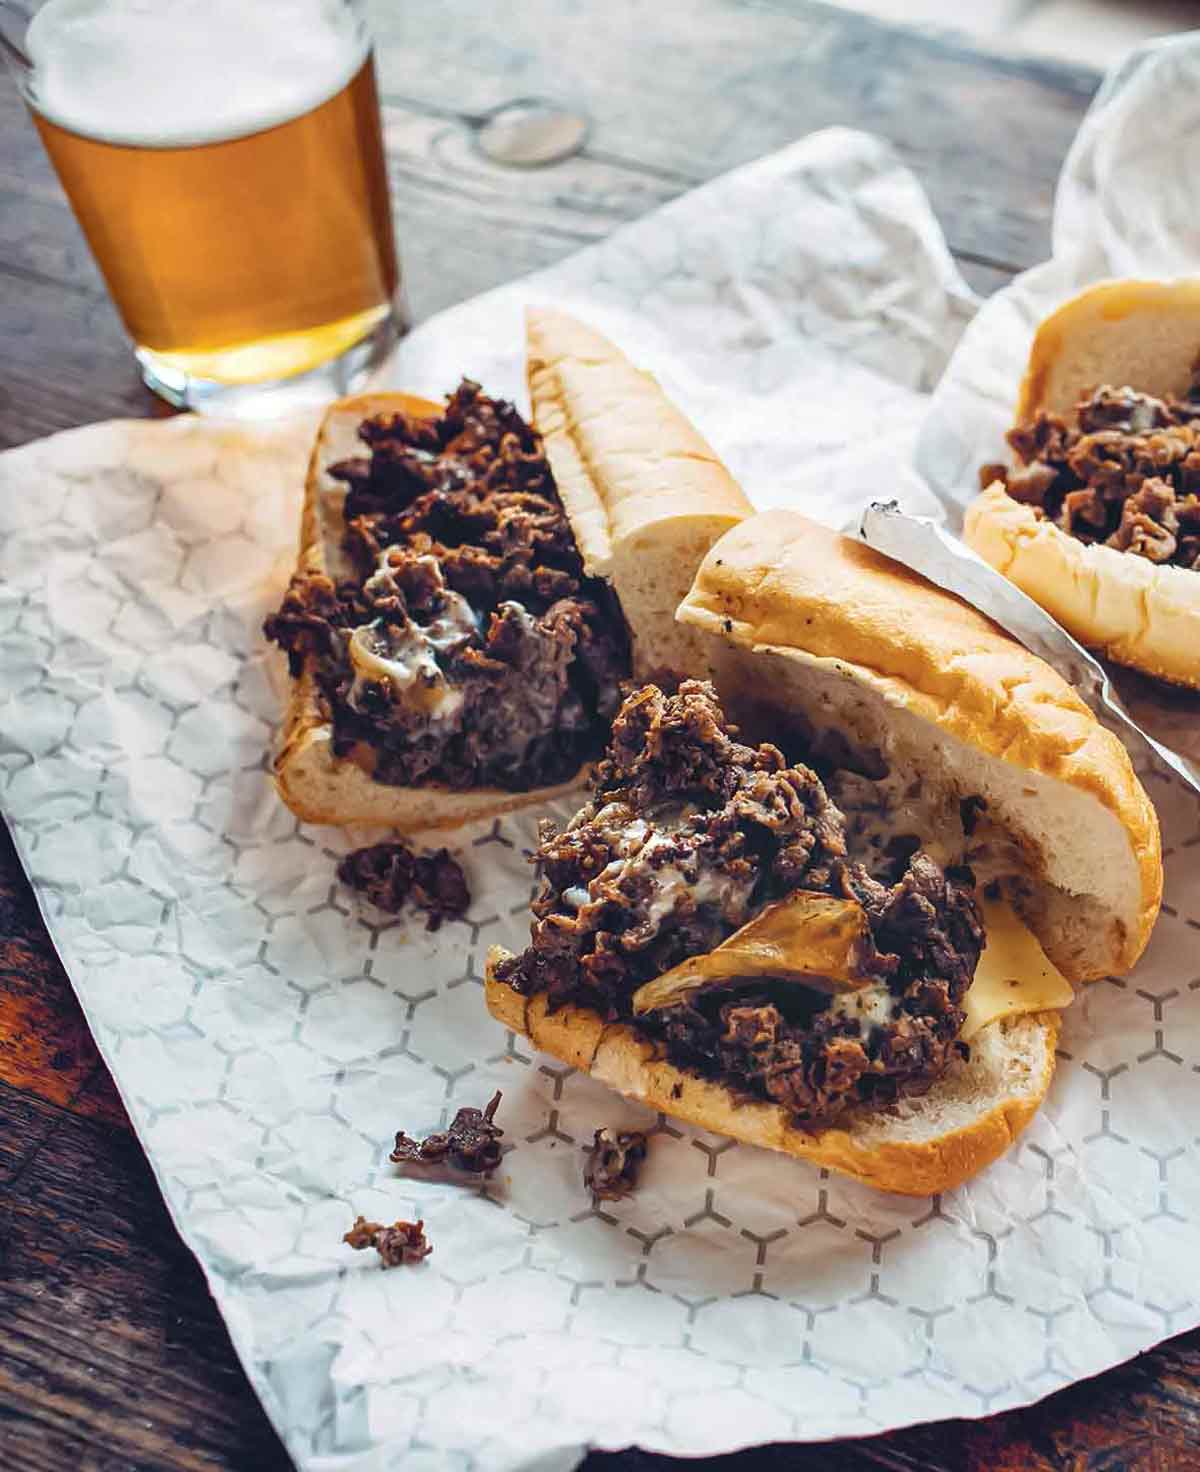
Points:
(402, 1242)
(387, 874)
(687, 834)
(471, 1144)
(468, 648)
(614, 1159)
(1125, 473)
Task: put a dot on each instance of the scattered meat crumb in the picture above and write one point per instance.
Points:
(613, 1162)
(470, 1145)
(402, 1242)
(387, 874)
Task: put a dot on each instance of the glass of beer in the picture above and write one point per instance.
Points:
(225, 161)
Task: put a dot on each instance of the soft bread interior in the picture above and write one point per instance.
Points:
(337, 439)
(922, 1144)
(1140, 334)
(646, 493)
(802, 622)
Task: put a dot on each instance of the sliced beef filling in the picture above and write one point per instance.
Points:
(1125, 473)
(469, 648)
(390, 873)
(688, 833)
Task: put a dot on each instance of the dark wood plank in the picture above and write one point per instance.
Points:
(66, 360)
(112, 1355)
(46, 1050)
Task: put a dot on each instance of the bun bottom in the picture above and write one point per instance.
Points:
(1133, 611)
(322, 788)
(917, 1147)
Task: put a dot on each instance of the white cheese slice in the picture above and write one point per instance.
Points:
(1014, 974)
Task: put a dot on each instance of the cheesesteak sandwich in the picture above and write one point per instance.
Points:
(471, 590)
(850, 941)
(1099, 520)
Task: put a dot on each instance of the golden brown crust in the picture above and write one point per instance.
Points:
(1130, 610)
(1143, 334)
(1140, 334)
(624, 457)
(614, 1054)
(505, 1005)
(646, 493)
(783, 581)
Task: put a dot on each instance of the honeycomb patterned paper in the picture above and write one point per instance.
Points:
(270, 1034)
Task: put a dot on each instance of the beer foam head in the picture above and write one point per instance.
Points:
(157, 75)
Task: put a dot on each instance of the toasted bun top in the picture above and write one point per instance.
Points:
(622, 453)
(646, 495)
(1134, 611)
(1137, 334)
(895, 661)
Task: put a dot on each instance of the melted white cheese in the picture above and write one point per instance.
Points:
(873, 1006)
(405, 656)
(405, 660)
(707, 888)
(677, 883)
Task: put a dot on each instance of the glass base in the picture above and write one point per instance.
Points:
(274, 398)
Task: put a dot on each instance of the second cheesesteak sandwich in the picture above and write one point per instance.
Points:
(850, 940)
(1098, 519)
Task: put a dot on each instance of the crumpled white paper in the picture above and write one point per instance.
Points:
(1122, 209)
(269, 1034)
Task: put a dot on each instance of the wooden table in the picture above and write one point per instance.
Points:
(112, 1355)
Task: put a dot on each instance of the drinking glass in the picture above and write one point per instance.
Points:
(225, 161)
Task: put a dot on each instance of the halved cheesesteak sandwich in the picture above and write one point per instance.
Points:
(1099, 518)
(843, 928)
(472, 590)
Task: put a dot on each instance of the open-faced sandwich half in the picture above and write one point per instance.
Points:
(845, 926)
(471, 590)
(1099, 519)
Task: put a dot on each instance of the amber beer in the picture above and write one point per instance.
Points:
(255, 254)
